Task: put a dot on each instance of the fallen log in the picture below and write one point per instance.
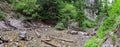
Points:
(38, 35)
(66, 40)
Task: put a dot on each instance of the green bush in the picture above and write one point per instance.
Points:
(89, 24)
(67, 11)
(72, 10)
(109, 24)
(30, 8)
(81, 17)
(92, 42)
(49, 9)
(60, 10)
(60, 26)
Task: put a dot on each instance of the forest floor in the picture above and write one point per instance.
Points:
(15, 33)
(42, 37)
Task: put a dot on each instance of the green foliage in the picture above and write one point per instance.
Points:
(60, 25)
(34, 16)
(72, 10)
(50, 9)
(113, 38)
(102, 10)
(109, 24)
(67, 12)
(81, 17)
(2, 16)
(92, 42)
(27, 7)
(61, 10)
(17, 16)
(89, 24)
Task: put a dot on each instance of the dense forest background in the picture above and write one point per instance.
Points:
(76, 15)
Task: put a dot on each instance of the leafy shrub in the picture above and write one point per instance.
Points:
(109, 24)
(89, 24)
(92, 42)
(27, 7)
(60, 25)
(61, 10)
(67, 12)
(49, 9)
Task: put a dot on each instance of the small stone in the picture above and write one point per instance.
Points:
(1, 45)
(46, 29)
(22, 34)
(72, 32)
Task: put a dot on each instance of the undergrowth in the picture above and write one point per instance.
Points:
(59, 10)
(109, 25)
(2, 16)
(27, 7)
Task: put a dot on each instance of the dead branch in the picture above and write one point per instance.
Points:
(66, 40)
(38, 35)
(49, 43)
